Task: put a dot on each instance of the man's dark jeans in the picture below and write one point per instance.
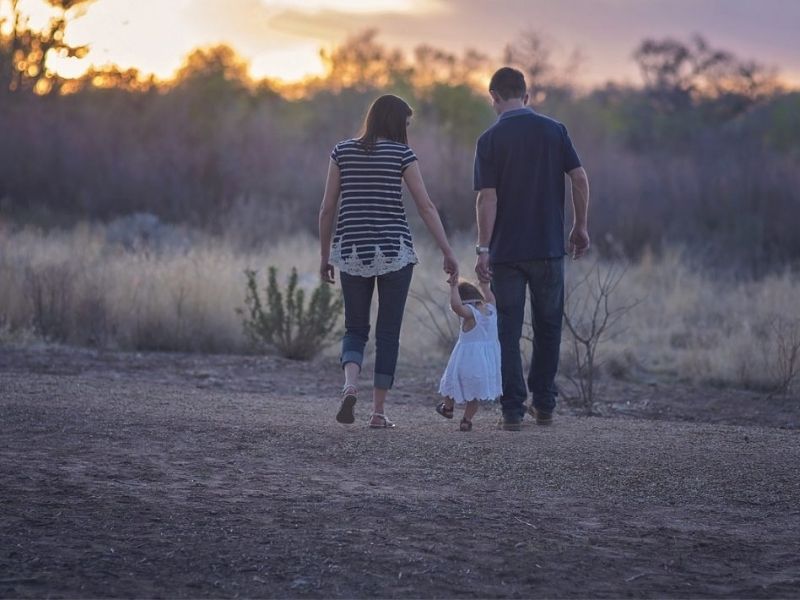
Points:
(392, 294)
(545, 280)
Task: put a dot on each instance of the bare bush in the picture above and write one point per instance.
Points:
(590, 319)
(436, 316)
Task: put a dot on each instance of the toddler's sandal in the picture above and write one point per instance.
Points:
(442, 409)
(465, 425)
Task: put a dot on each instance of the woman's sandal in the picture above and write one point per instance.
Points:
(442, 409)
(465, 425)
(385, 423)
(346, 412)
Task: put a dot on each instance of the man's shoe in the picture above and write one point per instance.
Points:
(509, 424)
(542, 418)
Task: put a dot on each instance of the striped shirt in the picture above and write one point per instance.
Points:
(372, 235)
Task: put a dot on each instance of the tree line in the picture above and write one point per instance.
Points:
(703, 153)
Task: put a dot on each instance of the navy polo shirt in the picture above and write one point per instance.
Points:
(524, 156)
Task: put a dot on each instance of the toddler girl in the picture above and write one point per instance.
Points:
(473, 371)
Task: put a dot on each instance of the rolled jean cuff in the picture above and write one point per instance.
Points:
(352, 356)
(383, 381)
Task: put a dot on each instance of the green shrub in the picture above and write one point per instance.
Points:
(285, 323)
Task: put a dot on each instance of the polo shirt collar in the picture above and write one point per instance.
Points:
(525, 110)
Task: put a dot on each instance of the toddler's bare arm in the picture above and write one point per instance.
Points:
(455, 299)
(486, 290)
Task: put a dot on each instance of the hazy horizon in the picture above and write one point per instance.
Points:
(281, 38)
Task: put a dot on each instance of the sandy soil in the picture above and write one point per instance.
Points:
(194, 476)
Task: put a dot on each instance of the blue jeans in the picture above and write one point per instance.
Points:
(392, 294)
(545, 280)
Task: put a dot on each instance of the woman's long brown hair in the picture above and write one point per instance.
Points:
(387, 118)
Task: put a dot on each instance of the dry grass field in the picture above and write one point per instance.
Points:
(178, 291)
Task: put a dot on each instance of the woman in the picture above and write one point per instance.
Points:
(372, 243)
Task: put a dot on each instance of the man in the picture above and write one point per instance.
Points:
(520, 164)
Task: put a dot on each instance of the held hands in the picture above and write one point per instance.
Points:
(483, 269)
(450, 265)
(578, 242)
(326, 271)
(453, 280)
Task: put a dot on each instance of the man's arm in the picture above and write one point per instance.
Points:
(486, 213)
(579, 236)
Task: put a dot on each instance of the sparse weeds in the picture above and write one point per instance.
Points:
(49, 290)
(785, 362)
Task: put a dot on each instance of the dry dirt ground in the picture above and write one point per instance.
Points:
(154, 475)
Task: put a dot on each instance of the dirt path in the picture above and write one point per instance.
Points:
(182, 476)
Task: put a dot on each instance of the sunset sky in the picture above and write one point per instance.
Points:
(282, 38)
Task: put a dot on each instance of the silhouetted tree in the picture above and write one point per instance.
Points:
(24, 52)
(678, 75)
(213, 66)
(362, 63)
(435, 66)
(111, 77)
(533, 55)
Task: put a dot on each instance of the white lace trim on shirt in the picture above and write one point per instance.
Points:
(379, 265)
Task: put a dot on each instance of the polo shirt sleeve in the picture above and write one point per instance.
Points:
(408, 158)
(484, 173)
(335, 154)
(571, 160)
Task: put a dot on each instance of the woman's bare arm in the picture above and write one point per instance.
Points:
(327, 214)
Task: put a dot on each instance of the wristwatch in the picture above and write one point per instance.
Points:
(481, 250)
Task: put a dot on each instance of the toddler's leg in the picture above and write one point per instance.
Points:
(469, 412)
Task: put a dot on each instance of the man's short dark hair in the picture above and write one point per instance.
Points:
(508, 83)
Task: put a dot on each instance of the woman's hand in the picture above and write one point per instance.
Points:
(327, 213)
(326, 271)
(450, 264)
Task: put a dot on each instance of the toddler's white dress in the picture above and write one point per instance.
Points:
(473, 371)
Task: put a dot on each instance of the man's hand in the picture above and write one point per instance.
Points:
(578, 242)
(482, 267)
(326, 271)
